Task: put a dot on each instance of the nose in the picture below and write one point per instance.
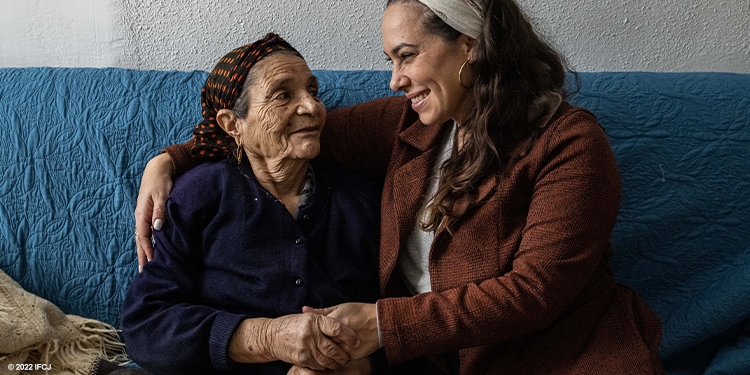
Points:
(309, 105)
(398, 79)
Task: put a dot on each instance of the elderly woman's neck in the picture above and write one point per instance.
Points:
(285, 178)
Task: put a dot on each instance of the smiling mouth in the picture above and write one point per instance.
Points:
(419, 98)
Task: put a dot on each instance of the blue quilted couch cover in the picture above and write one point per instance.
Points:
(73, 143)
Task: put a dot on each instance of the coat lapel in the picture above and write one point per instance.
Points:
(415, 155)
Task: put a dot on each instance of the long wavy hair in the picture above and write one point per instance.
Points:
(516, 71)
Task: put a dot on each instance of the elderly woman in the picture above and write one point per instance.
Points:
(498, 204)
(249, 240)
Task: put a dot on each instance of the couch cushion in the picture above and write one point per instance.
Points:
(74, 142)
(682, 239)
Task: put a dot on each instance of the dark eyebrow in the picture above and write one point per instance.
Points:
(313, 80)
(399, 47)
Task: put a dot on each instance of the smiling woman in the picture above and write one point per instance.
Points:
(425, 65)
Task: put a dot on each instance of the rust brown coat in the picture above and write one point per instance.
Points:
(523, 286)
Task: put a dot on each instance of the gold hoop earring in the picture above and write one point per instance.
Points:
(238, 153)
(460, 72)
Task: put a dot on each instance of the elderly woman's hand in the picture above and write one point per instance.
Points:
(156, 184)
(355, 367)
(362, 318)
(309, 340)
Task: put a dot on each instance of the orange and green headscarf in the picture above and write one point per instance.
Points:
(223, 86)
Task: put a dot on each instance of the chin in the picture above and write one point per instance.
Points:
(429, 119)
(309, 153)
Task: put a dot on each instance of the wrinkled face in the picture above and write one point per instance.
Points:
(425, 66)
(285, 115)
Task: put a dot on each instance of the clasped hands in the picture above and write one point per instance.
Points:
(333, 340)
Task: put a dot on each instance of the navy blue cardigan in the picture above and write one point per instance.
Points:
(229, 250)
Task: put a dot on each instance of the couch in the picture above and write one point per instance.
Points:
(73, 143)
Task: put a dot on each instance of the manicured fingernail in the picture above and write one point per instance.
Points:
(148, 259)
(140, 268)
(157, 224)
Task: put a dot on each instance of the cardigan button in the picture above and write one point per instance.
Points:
(298, 241)
(299, 282)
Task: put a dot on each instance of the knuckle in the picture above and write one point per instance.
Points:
(331, 326)
(305, 332)
(329, 349)
(335, 326)
(320, 320)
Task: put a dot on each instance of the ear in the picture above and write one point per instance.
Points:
(227, 120)
(468, 45)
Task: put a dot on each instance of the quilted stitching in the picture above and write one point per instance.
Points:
(75, 141)
(682, 143)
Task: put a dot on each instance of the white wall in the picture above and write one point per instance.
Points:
(595, 35)
(57, 33)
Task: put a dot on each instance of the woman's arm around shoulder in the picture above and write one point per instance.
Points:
(156, 184)
(362, 136)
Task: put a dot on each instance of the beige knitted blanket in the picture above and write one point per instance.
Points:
(37, 338)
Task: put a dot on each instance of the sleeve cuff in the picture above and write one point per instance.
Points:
(221, 335)
(377, 321)
(182, 157)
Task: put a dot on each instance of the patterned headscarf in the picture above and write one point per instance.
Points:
(223, 86)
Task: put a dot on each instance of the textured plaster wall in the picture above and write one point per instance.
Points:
(57, 33)
(595, 35)
(194, 34)
(665, 35)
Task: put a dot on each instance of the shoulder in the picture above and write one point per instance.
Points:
(568, 115)
(363, 136)
(206, 185)
(204, 176)
(382, 113)
(574, 126)
(574, 145)
(376, 106)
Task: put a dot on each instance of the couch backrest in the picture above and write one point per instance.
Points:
(682, 238)
(74, 142)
